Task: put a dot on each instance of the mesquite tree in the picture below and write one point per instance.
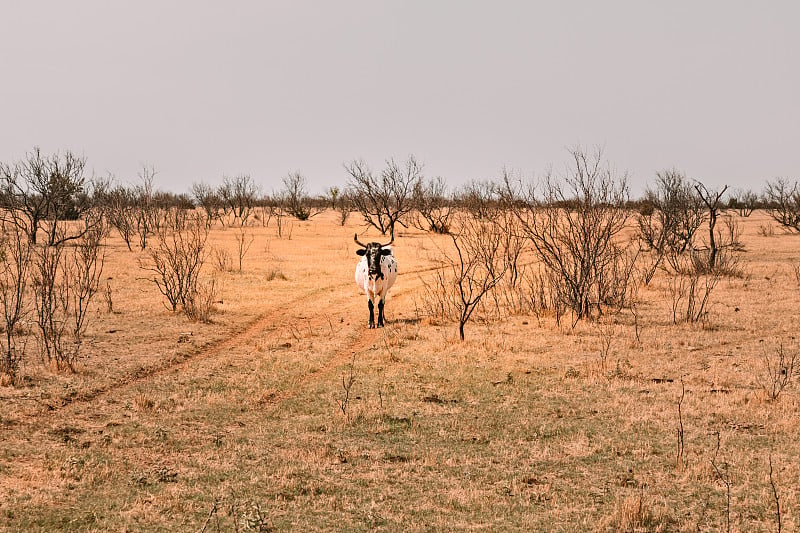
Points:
(383, 199)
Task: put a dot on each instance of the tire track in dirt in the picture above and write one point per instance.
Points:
(266, 322)
(263, 322)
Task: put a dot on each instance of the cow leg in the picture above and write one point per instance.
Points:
(380, 313)
(371, 313)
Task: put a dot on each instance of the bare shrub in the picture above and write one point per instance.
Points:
(294, 197)
(146, 212)
(690, 290)
(223, 260)
(480, 262)
(244, 241)
(200, 302)
(573, 226)
(209, 200)
(50, 298)
(672, 215)
(344, 207)
(481, 198)
(108, 298)
(712, 199)
(83, 269)
(348, 380)
(782, 201)
(284, 229)
(274, 274)
(332, 195)
(238, 195)
(121, 213)
(439, 297)
(15, 256)
(384, 200)
(744, 202)
(65, 282)
(722, 470)
(775, 497)
(513, 291)
(176, 262)
(776, 372)
(40, 188)
(433, 208)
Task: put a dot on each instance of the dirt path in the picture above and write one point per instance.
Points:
(268, 328)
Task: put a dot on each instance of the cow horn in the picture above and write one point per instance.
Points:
(355, 238)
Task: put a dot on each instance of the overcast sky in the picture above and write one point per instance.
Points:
(204, 89)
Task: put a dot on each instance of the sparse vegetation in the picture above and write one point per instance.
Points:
(176, 421)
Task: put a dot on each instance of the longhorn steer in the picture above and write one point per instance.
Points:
(375, 274)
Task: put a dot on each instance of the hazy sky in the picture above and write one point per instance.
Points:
(204, 89)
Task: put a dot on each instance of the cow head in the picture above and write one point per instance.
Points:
(373, 252)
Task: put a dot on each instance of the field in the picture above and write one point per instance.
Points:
(248, 423)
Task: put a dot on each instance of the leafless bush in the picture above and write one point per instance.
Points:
(146, 211)
(108, 297)
(284, 229)
(295, 199)
(386, 199)
(344, 206)
(51, 188)
(50, 298)
(680, 460)
(724, 476)
(176, 261)
(238, 195)
(439, 296)
(690, 290)
(513, 291)
(223, 260)
(172, 218)
(744, 202)
(782, 200)
(200, 302)
(348, 380)
(766, 230)
(573, 226)
(244, 241)
(776, 498)
(15, 255)
(605, 333)
(712, 199)
(209, 200)
(672, 215)
(776, 372)
(480, 262)
(332, 195)
(481, 198)
(83, 269)
(65, 282)
(432, 207)
(121, 213)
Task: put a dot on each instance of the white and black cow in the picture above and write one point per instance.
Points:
(375, 275)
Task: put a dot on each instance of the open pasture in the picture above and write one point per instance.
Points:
(287, 413)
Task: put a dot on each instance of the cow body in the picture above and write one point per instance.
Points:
(375, 275)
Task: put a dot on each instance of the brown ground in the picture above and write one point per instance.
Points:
(175, 425)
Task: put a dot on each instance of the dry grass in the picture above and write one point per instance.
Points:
(171, 424)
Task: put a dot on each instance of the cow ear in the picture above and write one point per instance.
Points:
(361, 251)
(386, 251)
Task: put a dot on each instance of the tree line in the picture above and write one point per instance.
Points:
(55, 218)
